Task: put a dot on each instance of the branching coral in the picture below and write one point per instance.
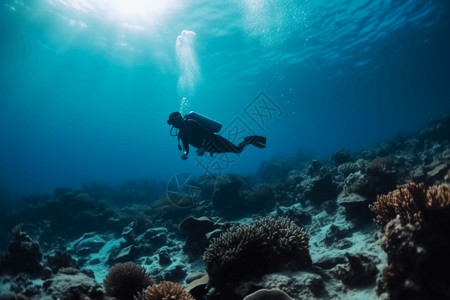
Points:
(167, 290)
(438, 196)
(266, 245)
(412, 202)
(405, 201)
(125, 280)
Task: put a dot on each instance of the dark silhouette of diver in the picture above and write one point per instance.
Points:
(201, 132)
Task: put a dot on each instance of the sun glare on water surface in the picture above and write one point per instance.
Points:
(142, 12)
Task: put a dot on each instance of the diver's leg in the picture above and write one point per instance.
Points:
(219, 144)
(255, 140)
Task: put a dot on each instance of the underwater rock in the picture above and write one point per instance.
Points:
(360, 271)
(417, 174)
(316, 169)
(438, 172)
(21, 284)
(60, 260)
(129, 253)
(437, 130)
(90, 242)
(144, 244)
(23, 256)
(59, 192)
(198, 287)
(175, 274)
(348, 168)
(194, 276)
(335, 234)
(128, 235)
(227, 196)
(328, 263)
(261, 198)
(77, 286)
(13, 297)
(356, 207)
(305, 284)
(265, 294)
(164, 258)
(341, 157)
(378, 177)
(300, 217)
(195, 230)
(321, 189)
(155, 237)
(418, 255)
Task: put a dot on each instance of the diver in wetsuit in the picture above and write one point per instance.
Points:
(201, 132)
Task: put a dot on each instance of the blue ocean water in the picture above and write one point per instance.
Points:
(87, 85)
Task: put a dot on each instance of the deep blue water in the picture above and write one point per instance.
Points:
(87, 85)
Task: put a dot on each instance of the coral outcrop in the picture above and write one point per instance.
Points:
(24, 255)
(412, 202)
(124, 280)
(72, 286)
(195, 230)
(251, 250)
(167, 290)
(416, 226)
(265, 294)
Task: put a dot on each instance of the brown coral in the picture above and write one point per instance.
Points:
(416, 226)
(403, 201)
(438, 196)
(251, 250)
(124, 280)
(411, 201)
(167, 290)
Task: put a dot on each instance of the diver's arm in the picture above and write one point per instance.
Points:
(185, 148)
(179, 147)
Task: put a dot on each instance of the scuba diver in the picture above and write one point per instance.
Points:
(201, 132)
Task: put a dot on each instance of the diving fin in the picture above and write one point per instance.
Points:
(256, 140)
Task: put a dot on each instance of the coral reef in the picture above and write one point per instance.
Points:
(82, 233)
(412, 202)
(167, 290)
(416, 226)
(254, 249)
(125, 280)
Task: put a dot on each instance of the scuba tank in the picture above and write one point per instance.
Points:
(207, 123)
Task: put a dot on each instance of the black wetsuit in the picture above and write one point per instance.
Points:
(193, 133)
